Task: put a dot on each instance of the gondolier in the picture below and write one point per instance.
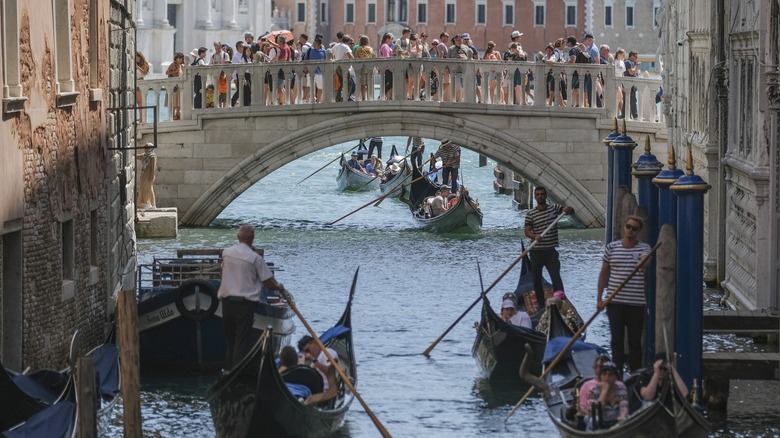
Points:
(244, 273)
(450, 157)
(544, 255)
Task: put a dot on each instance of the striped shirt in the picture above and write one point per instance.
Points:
(539, 220)
(622, 261)
(449, 154)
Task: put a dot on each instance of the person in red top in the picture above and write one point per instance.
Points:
(284, 54)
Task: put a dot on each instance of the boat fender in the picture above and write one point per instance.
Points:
(190, 287)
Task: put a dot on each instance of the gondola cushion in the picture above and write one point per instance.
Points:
(306, 376)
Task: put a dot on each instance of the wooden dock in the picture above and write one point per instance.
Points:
(742, 322)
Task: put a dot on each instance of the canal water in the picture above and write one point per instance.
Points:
(412, 286)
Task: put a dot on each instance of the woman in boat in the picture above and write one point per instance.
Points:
(288, 358)
(588, 385)
(608, 400)
(511, 315)
(319, 361)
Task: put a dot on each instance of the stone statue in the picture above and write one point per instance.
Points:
(663, 24)
(145, 197)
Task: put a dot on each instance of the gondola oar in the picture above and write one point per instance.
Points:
(378, 200)
(566, 347)
(503, 274)
(329, 163)
(344, 377)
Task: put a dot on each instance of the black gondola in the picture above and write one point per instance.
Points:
(253, 399)
(464, 214)
(390, 186)
(669, 415)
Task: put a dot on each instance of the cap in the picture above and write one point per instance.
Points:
(516, 34)
(587, 35)
(508, 304)
(444, 187)
(249, 35)
(354, 153)
(435, 42)
(466, 36)
(194, 53)
(560, 295)
(609, 366)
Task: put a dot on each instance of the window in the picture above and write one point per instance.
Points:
(509, 13)
(12, 86)
(655, 17)
(68, 254)
(608, 14)
(481, 12)
(449, 12)
(349, 13)
(243, 7)
(571, 15)
(629, 16)
(324, 12)
(422, 11)
(371, 13)
(65, 83)
(403, 11)
(300, 12)
(391, 10)
(93, 44)
(538, 15)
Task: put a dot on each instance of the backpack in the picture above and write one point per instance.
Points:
(195, 61)
(583, 57)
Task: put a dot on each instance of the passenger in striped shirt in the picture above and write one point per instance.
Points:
(543, 254)
(626, 312)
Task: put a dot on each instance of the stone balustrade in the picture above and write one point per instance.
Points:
(476, 85)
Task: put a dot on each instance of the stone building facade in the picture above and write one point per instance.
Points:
(630, 24)
(66, 200)
(723, 101)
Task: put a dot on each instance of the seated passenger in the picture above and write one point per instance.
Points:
(377, 163)
(319, 361)
(355, 163)
(608, 400)
(511, 315)
(391, 171)
(439, 204)
(652, 386)
(452, 200)
(588, 385)
(288, 358)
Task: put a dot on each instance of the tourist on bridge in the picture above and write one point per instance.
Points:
(626, 312)
(244, 274)
(543, 254)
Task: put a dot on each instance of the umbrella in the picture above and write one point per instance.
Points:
(273, 34)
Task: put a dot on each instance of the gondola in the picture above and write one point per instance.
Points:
(350, 179)
(670, 415)
(465, 214)
(253, 399)
(499, 347)
(180, 317)
(108, 382)
(403, 176)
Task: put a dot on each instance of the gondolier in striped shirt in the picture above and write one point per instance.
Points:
(450, 158)
(244, 273)
(543, 254)
(626, 312)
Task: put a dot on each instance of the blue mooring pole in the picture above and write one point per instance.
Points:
(646, 168)
(690, 190)
(667, 201)
(623, 147)
(611, 189)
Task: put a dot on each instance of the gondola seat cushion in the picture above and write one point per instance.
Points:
(306, 376)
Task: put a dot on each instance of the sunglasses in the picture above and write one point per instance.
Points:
(632, 227)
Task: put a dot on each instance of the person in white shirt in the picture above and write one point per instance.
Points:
(219, 56)
(244, 273)
(320, 362)
(512, 316)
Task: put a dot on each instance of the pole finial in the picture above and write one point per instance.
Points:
(624, 128)
(615, 125)
(672, 162)
(647, 145)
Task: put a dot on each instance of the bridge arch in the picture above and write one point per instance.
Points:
(507, 146)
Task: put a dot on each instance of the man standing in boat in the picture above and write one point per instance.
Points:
(543, 254)
(244, 273)
(626, 312)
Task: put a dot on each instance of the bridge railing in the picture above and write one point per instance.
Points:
(567, 88)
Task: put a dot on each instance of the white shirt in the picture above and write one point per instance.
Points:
(340, 51)
(323, 359)
(243, 273)
(238, 58)
(521, 319)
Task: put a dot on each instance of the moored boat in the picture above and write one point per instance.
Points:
(669, 415)
(253, 398)
(465, 214)
(180, 317)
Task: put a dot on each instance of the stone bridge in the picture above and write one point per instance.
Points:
(209, 156)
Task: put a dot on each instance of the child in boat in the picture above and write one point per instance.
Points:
(608, 400)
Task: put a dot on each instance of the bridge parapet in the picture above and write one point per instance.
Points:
(452, 84)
